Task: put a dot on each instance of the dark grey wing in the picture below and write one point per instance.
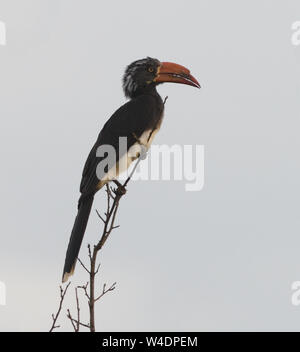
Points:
(130, 120)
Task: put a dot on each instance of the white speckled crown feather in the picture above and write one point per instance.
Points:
(130, 85)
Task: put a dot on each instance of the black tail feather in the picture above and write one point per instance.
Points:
(84, 209)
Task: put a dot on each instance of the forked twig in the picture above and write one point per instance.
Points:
(62, 297)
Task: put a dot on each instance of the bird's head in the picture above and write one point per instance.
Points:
(147, 73)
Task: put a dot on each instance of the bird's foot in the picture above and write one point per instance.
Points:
(120, 190)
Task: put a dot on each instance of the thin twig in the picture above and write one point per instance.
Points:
(71, 320)
(80, 323)
(55, 317)
(99, 215)
(84, 267)
(84, 288)
(78, 309)
(96, 272)
(104, 291)
(75, 322)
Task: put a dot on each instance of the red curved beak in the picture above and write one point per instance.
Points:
(171, 72)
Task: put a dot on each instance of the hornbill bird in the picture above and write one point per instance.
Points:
(138, 120)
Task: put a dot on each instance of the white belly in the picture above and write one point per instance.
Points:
(132, 154)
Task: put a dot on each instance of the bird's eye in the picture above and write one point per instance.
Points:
(150, 69)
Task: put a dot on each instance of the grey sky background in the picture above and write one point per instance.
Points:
(220, 259)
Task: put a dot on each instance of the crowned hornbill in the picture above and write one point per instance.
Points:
(138, 120)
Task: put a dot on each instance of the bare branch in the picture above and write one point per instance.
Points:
(84, 267)
(99, 215)
(75, 322)
(96, 272)
(78, 310)
(84, 288)
(71, 320)
(62, 297)
(104, 291)
(80, 323)
(132, 172)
